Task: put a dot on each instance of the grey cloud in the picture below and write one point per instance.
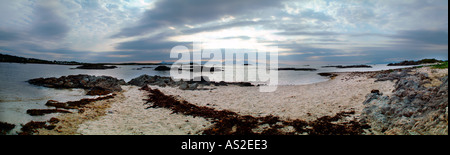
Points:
(9, 35)
(193, 12)
(436, 37)
(156, 43)
(48, 24)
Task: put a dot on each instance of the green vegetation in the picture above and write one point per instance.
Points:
(411, 63)
(428, 61)
(442, 65)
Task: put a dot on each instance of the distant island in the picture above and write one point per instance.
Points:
(95, 66)
(419, 62)
(351, 66)
(17, 59)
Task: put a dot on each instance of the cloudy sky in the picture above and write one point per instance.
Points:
(305, 31)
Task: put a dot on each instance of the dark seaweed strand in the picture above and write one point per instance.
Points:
(230, 123)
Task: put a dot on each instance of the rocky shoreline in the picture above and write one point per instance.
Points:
(416, 104)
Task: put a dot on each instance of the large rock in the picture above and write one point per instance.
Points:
(152, 80)
(80, 81)
(412, 108)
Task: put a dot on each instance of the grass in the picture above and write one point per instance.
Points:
(442, 65)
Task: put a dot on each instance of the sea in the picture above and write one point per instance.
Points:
(17, 95)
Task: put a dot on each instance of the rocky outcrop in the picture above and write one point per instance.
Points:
(193, 84)
(80, 81)
(152, 80)
(330, 75)
(412, 108)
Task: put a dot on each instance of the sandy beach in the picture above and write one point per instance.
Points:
(345, 92)
(127, 114)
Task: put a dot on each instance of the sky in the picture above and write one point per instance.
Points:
(305, 31)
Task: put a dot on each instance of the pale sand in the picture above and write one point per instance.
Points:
(126, 114)
(346, 92)
(130, 116)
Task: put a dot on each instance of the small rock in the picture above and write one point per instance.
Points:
(193, 86)
(183, 86)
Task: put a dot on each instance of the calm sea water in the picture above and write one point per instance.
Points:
(17, 96)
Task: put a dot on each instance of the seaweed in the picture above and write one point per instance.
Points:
(231, 123)
(76, 104)
(31, 127)
(40, 112)
(6, 127)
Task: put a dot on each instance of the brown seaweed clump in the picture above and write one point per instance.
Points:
(65, 105)
(40, 112)
(6, 127)
(76, 104)
(230, 123)
(31, 127)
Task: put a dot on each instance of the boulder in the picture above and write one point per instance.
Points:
(142, 80)
(202, 80)
(184, 86)
(152, 80)
(80, 81)
(193, 86)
